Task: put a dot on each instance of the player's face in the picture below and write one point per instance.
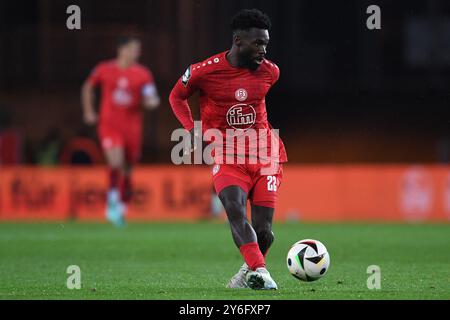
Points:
(131, 51)
(253, 47)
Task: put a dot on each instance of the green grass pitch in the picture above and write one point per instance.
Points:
(195, 261)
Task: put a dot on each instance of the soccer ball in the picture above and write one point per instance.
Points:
(308, 260)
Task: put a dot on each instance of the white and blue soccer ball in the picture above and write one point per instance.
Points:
(308, 260)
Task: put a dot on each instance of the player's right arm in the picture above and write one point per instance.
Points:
(183, 89)
(88, 96)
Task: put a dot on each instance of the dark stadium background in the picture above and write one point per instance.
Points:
(346, 93)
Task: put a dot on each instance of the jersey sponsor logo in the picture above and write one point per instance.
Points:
(186, 76)
(121, 96)
(241, 116)
(241, 94)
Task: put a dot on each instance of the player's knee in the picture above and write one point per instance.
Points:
(117, 165)
(235, 210)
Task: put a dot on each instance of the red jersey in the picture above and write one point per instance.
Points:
(230, 98)
(121, 91)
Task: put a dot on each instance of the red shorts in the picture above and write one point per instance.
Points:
(128, 138)
(260, 184)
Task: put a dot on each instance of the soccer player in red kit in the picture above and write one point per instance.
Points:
(125, 86)
(232, 87)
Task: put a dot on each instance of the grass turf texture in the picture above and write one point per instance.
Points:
(195, 261)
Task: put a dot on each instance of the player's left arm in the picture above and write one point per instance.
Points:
(87, 94)
(150, 96)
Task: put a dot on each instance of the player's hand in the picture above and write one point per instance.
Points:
(151, 103)
(193, 146)
(195, 139)
(193, 135)
(90, 118)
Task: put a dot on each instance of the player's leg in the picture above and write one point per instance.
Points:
(262, 224)
(232, 183)
(133, 148)
(263, 198)
(262, 217)
(234, 200)
(115, 158)
(126, 188)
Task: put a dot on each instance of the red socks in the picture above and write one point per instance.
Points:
(252, 255)
(125, 189)
(122, 183)
(114, 177)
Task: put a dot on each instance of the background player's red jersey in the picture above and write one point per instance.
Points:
(230, 98)
(120, 122)
(121, 94)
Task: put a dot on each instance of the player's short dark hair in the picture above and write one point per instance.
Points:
(124, 40)
(250, 18)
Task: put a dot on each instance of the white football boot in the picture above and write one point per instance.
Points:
(115, 209)
(238, 280)
(260, 279)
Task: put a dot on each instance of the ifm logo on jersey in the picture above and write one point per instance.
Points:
(121, 95)
(241, 116)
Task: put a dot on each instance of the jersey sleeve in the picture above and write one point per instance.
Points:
(191, 78)
(96, 75)
(148, 77)
(275, 73)
(183, 89)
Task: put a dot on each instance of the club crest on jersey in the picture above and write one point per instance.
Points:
(241, 94)
(186, 76)
(241, 116)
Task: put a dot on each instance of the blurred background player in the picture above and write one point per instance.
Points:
(237, 81)
(125, 86)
